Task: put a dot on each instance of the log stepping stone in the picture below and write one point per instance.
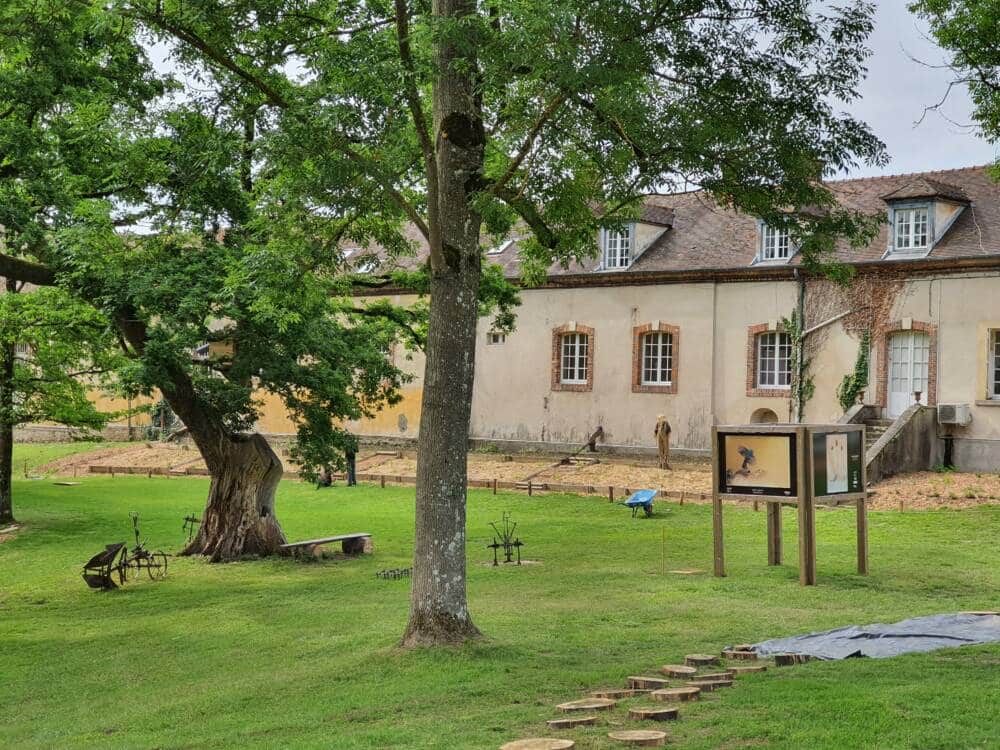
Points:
(689, 693)
(574, 721)
(737, 671)
(700, 660)
(740, 655)
(653, 713)
(710, 685)
(640, 737)
(641, 682)
(587, 704)
(786, 660)
(678, 670)
(713, 677)
(539, 743)
(614, 694)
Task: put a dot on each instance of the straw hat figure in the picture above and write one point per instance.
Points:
(662, 433)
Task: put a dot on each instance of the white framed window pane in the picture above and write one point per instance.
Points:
(574, 364)
(912, 228)
(657, 360)
(617, 247)
(775, 243)
(774, 360)
(920, 227)
(995, 390)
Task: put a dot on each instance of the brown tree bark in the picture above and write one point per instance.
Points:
(239, 518)
(439, 611)
(6, 423)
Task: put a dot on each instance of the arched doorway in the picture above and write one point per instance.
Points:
(763, 416)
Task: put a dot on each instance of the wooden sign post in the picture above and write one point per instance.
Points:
(790, 464)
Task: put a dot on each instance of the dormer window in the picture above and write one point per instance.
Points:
(910, 229)
(617, 248)
(775, 243)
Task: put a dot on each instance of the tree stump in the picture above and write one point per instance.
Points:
(539, 743)
(640, 737)
(676, 694)
(786, 660)
(678, 670)
(577, 721)
(652, 713)
(614, 694)
(587, 704)
(740, 655)
(737, 671)
(700, 660)
(362, 546)
(709, 685)
(712, 677)
(641, 682)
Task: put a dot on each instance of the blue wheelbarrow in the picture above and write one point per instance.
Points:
(641, 499)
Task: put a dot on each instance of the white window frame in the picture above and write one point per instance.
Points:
(495, 338)
(773, 359)
(617, 247)
(994, 360)
(574, 358)
(905, 232)
(22, 350)
(657, 358)
(775, 244)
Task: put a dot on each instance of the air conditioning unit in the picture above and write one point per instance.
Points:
(958, 414)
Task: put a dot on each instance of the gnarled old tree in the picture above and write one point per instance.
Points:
(89, 143)
(463, 118)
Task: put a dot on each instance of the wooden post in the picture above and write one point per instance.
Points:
(719, 566)
(529, 488)
(494, 486)
(611, 494)
(807, 509)
(382, 481)
(773, 533)
(862, 537)
(663, 550)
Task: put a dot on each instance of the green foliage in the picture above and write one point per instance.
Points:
(803, 387)
(856, 381)
(62, 349)
(317, 641)
(967, 30)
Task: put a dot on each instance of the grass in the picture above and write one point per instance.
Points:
(284, 654)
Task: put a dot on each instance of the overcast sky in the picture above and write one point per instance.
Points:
(896, 92)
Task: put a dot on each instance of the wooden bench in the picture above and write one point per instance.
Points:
(352, 544)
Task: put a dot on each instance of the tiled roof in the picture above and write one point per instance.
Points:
(700, 235)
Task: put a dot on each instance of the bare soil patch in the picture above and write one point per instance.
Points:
(930, 490)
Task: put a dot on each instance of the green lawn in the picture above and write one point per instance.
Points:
(282, 654)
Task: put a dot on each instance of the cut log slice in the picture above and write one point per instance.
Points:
(740, 655)
(587, 704)
(676, 694)
(737, 671)
(539, 743)
(710, 685)
(712, 677)
(678, 670)
(700, 660)
(743, 647)
(647, 683)
(614, 694)
(786, 660)
(640, 737)
(575, 721)
(653, 713)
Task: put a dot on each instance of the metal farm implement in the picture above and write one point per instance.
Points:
(118, 561)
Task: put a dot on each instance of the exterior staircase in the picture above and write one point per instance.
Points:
(874, 429)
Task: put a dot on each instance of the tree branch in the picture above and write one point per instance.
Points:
(24, 270)
(529, 141)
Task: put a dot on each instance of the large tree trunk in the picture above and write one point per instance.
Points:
(7, 423)
(239, 518)
(439, 611)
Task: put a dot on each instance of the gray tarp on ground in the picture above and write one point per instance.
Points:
(879, 641)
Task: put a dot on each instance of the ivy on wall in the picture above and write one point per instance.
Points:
(854, 383)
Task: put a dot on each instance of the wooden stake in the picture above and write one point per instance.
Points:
(663, 550)
(382, 481)
(773, 534)
(494, 486)
(529, 488)
(807, 511)
(862, 537)
(755, 508)
(611, 494)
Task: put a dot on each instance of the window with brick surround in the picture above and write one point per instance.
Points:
(994, 375)
(574, 363)
(773, 360)
(658, 358)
